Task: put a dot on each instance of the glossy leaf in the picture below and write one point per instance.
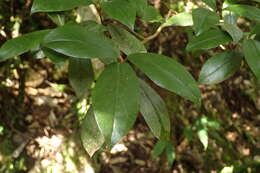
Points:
(211, 3)
(126, 42)
(233, 31)
(209, 39)
(57, 5)
(22, 44)
(204, 19)
(116, 101)
(219, 68)
(154, 111)
(81, 75)
(247, 11)
(121, 10)
(76, 41)
(181, 19)
(168, 74)
(251, 49)
(91, 136)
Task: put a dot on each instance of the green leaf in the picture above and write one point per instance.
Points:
(256, 31)
(211, 3)
(126, 42)
(247, 11)
(181, 19)
(168, 74)
(57, 5)
(158, 149)
(219, 68)
(91, 136)
(76, 41)
(121, 10)
(140, 5)
(154, 111)
(57, 18)
(81, 75)
(229, 17)
(55, 57)
(170, 153)
(94, 27)
(204, 19)
(116, 101)
(151, 14)
(22, 44)
(251, 49)
(233, 31)
(207, 40)
(203, 137)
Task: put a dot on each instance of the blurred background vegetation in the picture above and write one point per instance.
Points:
(40, 113)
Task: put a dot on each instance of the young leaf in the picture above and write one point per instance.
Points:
(181, 19)
(209, 39)
(233, 31)
(75, 41)
(251, 49)
(247, 11)
(116, 101)
(204, 19)
(211, 3)
(126, 42)
(219, 68)
(168, 74)
(154, 111)
(121, 10)
(203, 137)
(22, 44)
(57, 5)
(81, 75)
(91, 136)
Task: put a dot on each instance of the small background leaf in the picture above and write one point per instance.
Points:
(219, 68)
(81, 75)
(251, 49)
(57, 5)
(207, 40)
(91, 136)
(204, 19)
(233, 31)
(126, 42)
(154, 111)
(181, 19)
(247, 11)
